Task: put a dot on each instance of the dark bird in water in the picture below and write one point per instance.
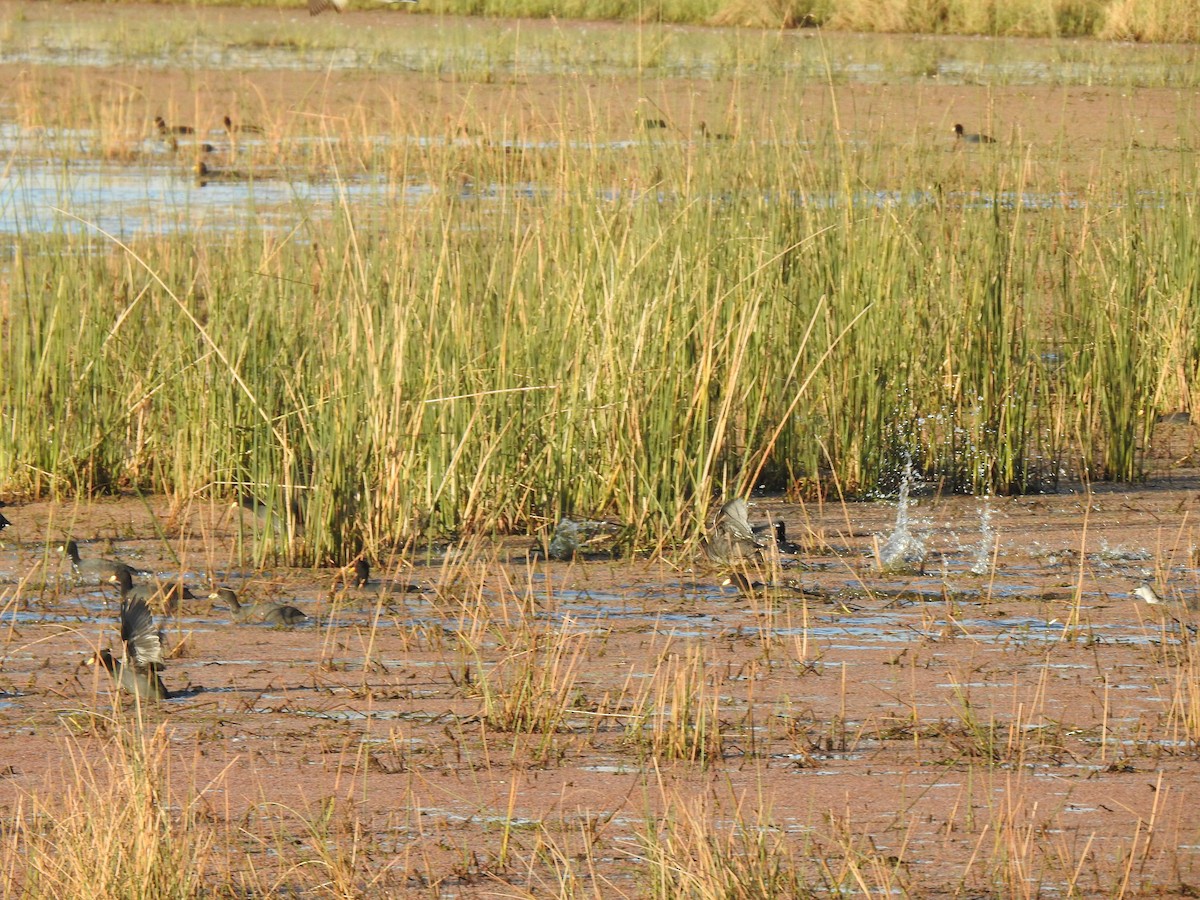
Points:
(270, 613)
(138, 671)
(316, 7)
(781, 539)
(206, 173)
(230, 128)
(99, 569)
(164, 129)
(972, 138)
(704, 132)
(170, 594)
(4, 523)
(362, 573)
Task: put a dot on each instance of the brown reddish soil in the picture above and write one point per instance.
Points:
(941, 731)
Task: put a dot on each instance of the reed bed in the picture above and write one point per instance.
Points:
(596, 329)
(482, 324)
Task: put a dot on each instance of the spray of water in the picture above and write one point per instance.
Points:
(902, 549)
(987, 540)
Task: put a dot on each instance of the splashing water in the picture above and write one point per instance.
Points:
(987, 540)
(902, 549)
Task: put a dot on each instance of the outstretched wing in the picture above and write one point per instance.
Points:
(734, 520)
(139, 634)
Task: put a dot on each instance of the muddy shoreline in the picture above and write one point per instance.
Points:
(916, 717)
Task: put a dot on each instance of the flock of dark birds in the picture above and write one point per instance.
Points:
(137, 671)
(731, 543)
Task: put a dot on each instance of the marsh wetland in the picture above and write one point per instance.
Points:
(412, 288)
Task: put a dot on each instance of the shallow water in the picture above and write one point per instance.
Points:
(69, 180)
(166, 197)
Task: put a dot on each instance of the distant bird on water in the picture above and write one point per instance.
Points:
(972, 138)
(316, 7)
(99, 569)
(270, 613)
(362, 573)
(171, 594)
(137, 673)
(230, 128)
(164, 129)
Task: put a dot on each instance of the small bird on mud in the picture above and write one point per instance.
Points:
(137, 673)
(99, 569)
(747, 588)
(4, 523)
(362, 573)
(269, 613)
(170, 594)
(968, 138)
(316, 7)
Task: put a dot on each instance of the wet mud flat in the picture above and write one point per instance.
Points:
(478, 723)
